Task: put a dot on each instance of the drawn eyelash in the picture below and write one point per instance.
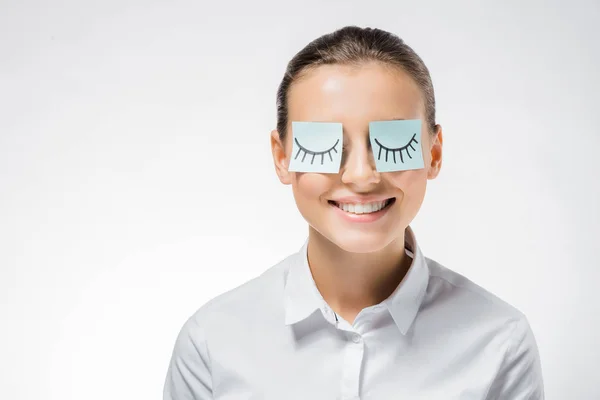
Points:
(399, 150)
(315, 153)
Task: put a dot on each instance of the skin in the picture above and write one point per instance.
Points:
(357, 265)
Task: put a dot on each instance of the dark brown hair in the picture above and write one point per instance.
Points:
(353, 45)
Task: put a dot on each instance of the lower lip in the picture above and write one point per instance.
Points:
(370, 217)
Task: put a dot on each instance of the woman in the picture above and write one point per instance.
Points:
(359, 312)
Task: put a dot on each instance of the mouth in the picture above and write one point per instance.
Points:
(364, 208)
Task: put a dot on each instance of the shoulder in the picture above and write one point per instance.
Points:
(447, 288)
(472, 314)
(471, 317)
(468, 312)
(218, 325)
(241, 306)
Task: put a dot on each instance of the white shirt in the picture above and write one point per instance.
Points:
(438, 336)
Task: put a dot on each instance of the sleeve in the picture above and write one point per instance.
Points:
(520, 377)
(188, 375)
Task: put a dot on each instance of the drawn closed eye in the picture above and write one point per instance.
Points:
(315, 153)
(399, 150)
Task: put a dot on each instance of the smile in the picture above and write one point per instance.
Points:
(363, 208)
(362, 212)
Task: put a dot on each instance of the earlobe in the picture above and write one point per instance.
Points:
(279, 158)
(436, 153)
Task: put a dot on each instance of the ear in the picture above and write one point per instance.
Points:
(279, 158)
(437, 141)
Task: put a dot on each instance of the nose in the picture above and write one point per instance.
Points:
(358, 168)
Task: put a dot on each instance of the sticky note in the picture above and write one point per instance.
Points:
(316, 147)
(396, 144)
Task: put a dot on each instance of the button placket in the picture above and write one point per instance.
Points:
(353, 361)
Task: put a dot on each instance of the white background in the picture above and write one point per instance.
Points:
(136, 180)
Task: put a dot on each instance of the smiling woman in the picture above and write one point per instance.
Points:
(358, 312)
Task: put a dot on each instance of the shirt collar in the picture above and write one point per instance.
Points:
(302, 297)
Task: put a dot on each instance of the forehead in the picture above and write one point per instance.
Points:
(354, 95)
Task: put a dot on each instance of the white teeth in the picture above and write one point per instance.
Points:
(362, 208)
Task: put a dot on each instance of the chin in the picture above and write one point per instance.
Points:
(355, 238)
(361, 242)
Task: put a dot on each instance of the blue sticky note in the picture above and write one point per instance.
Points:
(316, 147)
(396, 144)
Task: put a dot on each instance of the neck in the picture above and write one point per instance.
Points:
(349, 281)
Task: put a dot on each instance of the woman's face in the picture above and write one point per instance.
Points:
(355, 96)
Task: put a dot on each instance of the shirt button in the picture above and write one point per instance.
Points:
(356, 338)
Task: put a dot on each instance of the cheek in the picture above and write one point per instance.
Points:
(307, 186)
(412, 183)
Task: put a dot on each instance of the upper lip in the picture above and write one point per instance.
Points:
(360, 199)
